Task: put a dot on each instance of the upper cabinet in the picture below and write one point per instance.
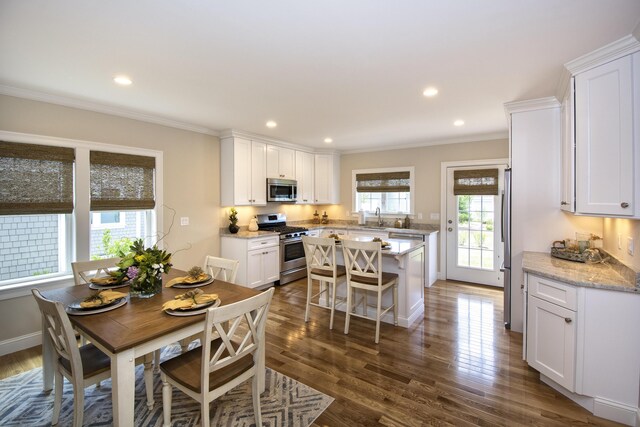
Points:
(607, 126)
(567, 187)
(327, 179)
(305, 166)
(280, 162)
(243, 178)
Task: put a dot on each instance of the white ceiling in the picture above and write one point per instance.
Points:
(353, 70)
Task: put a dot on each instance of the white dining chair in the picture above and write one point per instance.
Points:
(84, 271)
(219, 365)
(82, 366)
(221, 268)
(320, 254)
(363, 261)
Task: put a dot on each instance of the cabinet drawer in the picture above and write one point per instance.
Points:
(263, 242)
(553, 291)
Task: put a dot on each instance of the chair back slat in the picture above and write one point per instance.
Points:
(320, 253)
(58, 327)
(240, 327)
(363, 260)
(221, 268)
(84, 271)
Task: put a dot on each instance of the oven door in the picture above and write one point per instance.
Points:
(291, 254)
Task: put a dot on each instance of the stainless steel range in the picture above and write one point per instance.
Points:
(292, 262)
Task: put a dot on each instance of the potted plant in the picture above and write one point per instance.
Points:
(233, 221)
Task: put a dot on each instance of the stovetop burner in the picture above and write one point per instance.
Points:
(286, 229)
(278, 224)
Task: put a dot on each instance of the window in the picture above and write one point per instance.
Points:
(42, 231)
(390, 189)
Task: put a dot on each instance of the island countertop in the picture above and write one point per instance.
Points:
(609, 276)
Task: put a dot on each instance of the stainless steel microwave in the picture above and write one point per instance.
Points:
(282, 190)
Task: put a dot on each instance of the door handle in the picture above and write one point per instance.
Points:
(567, 319)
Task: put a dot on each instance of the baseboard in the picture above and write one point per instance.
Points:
(615, 411)
(638, 417)
(20, 343)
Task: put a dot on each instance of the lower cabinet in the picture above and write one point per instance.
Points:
(259, 259)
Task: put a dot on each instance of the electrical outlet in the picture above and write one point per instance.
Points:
(435, 216)
(619, 240)
(630, 245)
(184, 220)
(419, 216)
(347, 214)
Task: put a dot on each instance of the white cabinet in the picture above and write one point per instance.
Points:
(567, 186)
(607, 101)
(305, 176)
(327, 179)
(243, 172)
(259, 259)
(368, 233)
(280, 162)
(551, 329)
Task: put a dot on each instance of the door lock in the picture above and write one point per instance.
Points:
(450, 222)
(449, 229)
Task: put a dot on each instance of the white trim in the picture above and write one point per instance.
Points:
(20, 343)
(68, 101)
(615, 411)
(458, 140)
(443, 203)
(96, 221)
(530, 105)
(23, 289)
(619, 48)
(236, 133)
(412, 175)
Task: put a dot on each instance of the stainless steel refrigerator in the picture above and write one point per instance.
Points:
(506, 240)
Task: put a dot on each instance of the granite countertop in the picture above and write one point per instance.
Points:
(612, 275)
(246, 234)
(426, 229)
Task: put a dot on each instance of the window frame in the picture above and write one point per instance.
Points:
(97, 224)
(354, 192)
(78, 223)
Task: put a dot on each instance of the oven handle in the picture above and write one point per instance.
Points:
(291, 240)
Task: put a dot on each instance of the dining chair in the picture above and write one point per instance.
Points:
(219, 365)
(221, 268)
(84, 271)
(82, 366)
(217, 268)
(363, 262)
(320, 253)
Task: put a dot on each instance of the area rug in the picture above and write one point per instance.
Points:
(285, 402)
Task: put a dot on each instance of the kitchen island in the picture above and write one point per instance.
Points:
(406, 258)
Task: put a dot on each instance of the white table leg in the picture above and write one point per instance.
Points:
(48, 359)
(123, 387)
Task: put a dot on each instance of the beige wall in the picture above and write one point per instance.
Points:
(625, 228)
(426, 161)
(191, 181)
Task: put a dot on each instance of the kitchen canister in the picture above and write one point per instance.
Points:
(253, 224)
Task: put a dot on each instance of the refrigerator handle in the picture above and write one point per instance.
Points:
(502, 219)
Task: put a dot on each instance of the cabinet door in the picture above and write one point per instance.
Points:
(280, 162)
(551, 341)
(604, 139)
(271, 265)
(324, 179)
(258, 172)
(304, 176)
(567, 202)
(254, 268)
(242, 158)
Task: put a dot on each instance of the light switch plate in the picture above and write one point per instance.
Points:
(630, 248)
(419, 216)
(184, 220)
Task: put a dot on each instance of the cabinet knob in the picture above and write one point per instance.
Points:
(449, 229)
(567, 320)
(624, 205)
(450, 222)
(563, 203)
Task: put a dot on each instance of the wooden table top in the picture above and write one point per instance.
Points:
(141, 319)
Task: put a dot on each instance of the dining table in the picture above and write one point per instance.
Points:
(134, 329)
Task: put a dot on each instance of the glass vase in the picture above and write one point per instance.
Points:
(147, 287)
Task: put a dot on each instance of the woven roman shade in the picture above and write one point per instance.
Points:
(383, 182)
(475, 182)
(35, 179)
(121, 181)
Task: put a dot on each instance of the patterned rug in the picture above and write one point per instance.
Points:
(285, 402)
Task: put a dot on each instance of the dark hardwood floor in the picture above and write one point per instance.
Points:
(458, 366)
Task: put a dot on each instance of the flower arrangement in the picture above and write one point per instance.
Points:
(144, 268)
(233, 220)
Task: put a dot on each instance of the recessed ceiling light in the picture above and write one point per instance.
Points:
(430, 91)
(458, 123)
(328, 140)
(271, 124)
(122, 80)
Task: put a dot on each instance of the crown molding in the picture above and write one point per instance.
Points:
(471, 138)
(563, 84)
(619, 48)
(530, 105)
(102, 108)
(236, 133)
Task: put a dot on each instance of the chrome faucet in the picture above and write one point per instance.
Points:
(380, 223)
